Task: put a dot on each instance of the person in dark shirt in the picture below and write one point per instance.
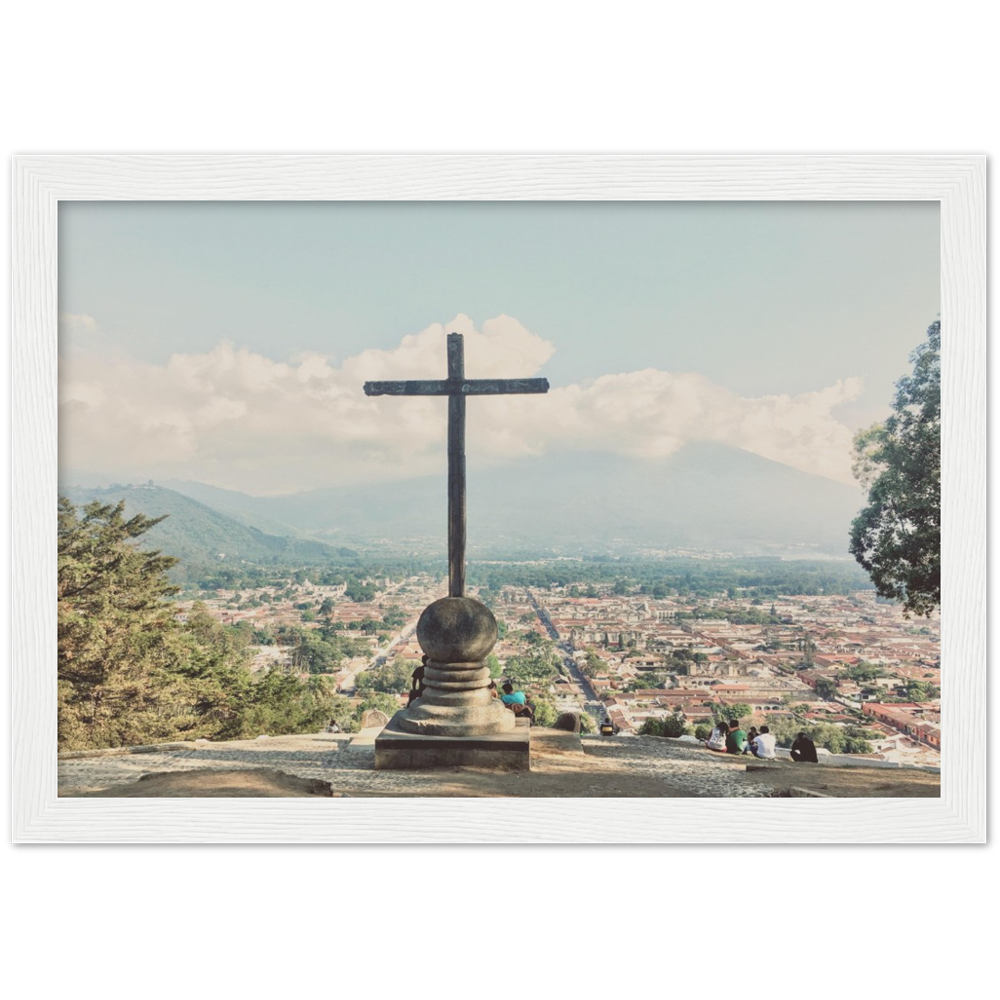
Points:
(417, 684)
(804, 750)
(751, 736)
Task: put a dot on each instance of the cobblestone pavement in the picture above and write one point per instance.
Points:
(696, 775)
(606, 768)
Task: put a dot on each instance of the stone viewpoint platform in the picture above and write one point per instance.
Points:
(563, 765)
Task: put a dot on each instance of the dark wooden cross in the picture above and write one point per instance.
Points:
(456, 387)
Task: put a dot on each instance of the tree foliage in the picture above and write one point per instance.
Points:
(392, 678)
(116, 634)
(380, 701)
(129, 672)
(545, 711)
(533, 668)
(826, 688)
(897, 536)
(836, 739)
(671, 725)
(738, 710)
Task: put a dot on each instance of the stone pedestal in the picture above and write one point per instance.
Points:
(398, 750)
(457, 716)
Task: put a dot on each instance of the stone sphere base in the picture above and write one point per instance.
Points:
(457, 634)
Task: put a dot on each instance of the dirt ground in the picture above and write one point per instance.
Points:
(562, 767)
(848, 782)
(262, 782)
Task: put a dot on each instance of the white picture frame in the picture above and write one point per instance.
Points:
(958, 182)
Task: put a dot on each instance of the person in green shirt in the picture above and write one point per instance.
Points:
(736, 739)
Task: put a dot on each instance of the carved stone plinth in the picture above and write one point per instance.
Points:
(456, 721)
(457, 634)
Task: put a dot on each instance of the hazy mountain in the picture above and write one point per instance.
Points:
(705, 497)
(708, 497)
(196, 532)
(238, 506)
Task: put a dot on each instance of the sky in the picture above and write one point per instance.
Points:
(228, 342)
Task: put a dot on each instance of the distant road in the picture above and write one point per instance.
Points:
(401, 636)
(566, 652)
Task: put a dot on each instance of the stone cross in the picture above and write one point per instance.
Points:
(456, 387)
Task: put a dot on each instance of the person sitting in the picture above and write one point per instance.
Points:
(736, 738)
(762, 745)
(717, 740)
(751, 736)
(333, 727)
(417, 682)
(608, 727)
(804, 750)
(517, 702)
(510, 696)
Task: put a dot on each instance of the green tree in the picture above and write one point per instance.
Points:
(342, 712)
(739, 710)
(545, 711)
(117, 636)
(531, 668)
(826, 688)
(364, 682)
(130, 673)
(808, 648)
(918, 691)
(393, 678)
(593, 665)
(897, 537)
(671, 725)
(386, 703)
(393, 619)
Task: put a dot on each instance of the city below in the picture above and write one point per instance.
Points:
(850, 669)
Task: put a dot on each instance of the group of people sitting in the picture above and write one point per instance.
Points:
(732, 739)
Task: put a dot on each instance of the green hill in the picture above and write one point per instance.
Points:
(196, 533)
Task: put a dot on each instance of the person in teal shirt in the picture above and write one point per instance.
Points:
(510, 696)
(736, 739)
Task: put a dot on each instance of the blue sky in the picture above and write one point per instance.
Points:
(758, 299)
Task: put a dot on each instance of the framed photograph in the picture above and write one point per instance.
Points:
(589, 410)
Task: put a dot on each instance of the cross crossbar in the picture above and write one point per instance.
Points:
(446, 387)
(456, 387)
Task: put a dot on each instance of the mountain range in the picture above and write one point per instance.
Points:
(706, 497)
(196, 532)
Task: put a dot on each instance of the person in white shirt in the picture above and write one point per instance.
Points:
(717, 740)
(763, 744)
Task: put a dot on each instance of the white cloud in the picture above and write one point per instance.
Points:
(241, 420)
(76, 324)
